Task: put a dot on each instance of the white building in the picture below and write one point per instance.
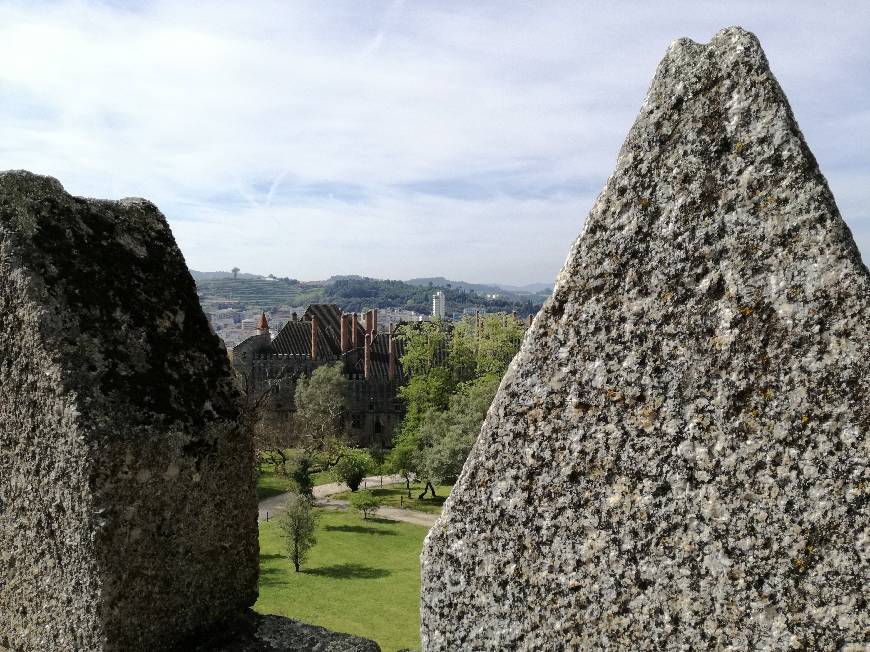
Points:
(439, 305)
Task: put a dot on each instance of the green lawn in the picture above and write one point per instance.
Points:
(395, 495)
(270, 483)
(362, 577)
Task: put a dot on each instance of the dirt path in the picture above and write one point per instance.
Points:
(392, 513)
(273, 505)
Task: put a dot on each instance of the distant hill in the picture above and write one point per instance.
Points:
(435, 282)
(205, 276)
(439, 282)
(355, 293)
(341, 277)
(534, 288)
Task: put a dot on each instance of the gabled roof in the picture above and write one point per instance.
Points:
(293, 339)
(328, 328)
(328, 315)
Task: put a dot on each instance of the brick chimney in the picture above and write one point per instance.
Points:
(367, 360)
(353, 329)
(314, 338)
(345, 333)
(392, 367)
(375, 322)
(369, 321)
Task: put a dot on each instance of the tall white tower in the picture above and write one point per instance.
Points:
(439, 305)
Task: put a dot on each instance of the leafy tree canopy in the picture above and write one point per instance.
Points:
(352, 466)
(456, 371)
(319, 407)
(366, 502)
(298, 523)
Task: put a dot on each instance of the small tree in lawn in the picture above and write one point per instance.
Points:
(366, 502)
(298, 523)
(301, 474)
(352, 466)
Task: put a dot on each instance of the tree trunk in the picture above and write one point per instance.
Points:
(428, 486)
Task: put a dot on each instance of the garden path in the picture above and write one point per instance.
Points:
(272, 506)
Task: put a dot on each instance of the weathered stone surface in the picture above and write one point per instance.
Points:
(127, 508)
(250, 632)
(678, 456)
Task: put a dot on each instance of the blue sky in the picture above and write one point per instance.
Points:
(391, 139)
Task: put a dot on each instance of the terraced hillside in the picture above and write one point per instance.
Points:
(258, 293)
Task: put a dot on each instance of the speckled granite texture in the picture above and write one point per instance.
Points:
(251, 632)
(678, 456)
(127, 505)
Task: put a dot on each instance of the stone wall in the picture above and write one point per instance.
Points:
(126, 475)
(678, 456)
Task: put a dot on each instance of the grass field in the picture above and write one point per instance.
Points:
(270, 483)
(395, 495)
(362, 577)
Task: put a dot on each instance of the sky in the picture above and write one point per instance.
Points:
(389, 139)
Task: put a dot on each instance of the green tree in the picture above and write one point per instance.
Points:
(301, 474)
(403, 458)
(449, 436)
(428, 390)
(366, 502)
(484, 345)
(316, 425)
(424, 343)
(298, 524)
(498, 340)
(455, 374)
(352, 466)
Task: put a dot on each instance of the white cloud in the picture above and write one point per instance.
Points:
(387, 138)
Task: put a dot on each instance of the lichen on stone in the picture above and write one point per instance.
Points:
(127, 504)
(673, 457)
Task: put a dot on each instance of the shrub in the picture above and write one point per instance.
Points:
(366, 502)
(352, 466)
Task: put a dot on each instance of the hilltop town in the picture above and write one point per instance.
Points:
(234, 302)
